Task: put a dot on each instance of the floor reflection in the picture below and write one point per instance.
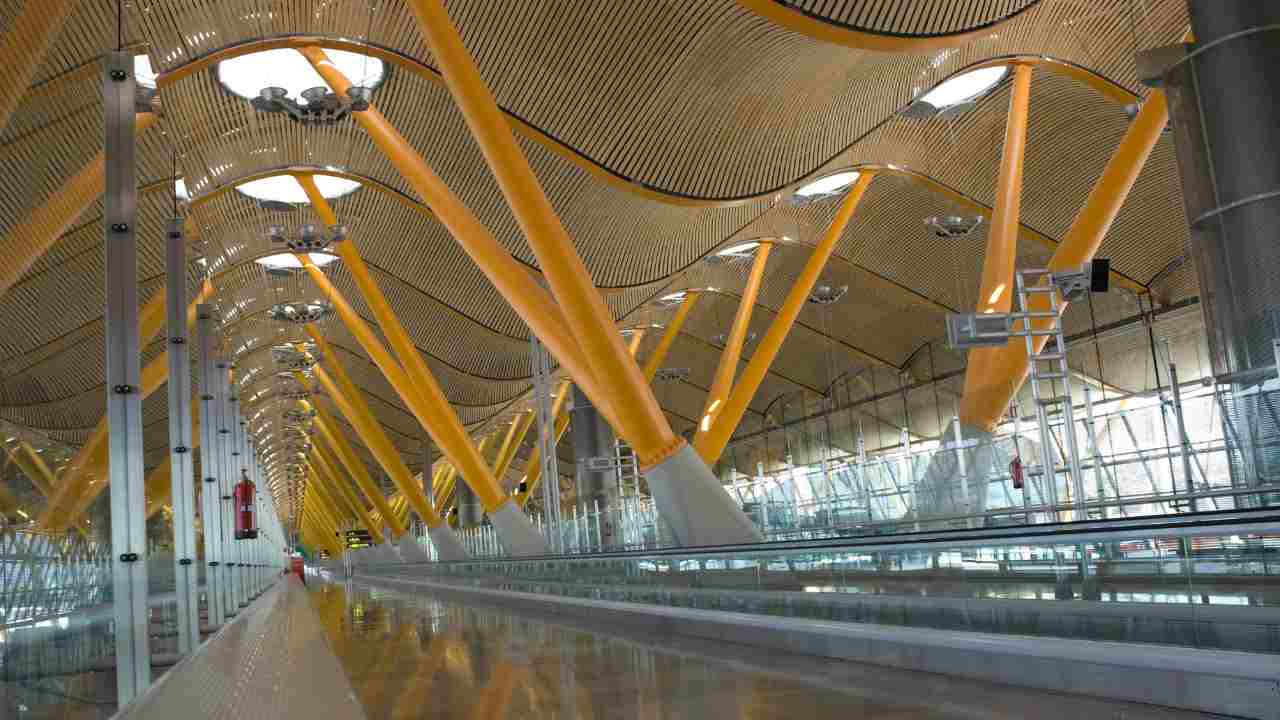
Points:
(412, 656)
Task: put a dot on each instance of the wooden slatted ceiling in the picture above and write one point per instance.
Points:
(686, 98)
(911, 17)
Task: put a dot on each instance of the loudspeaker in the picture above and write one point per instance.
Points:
(1100, 275)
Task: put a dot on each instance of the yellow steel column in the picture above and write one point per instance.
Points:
(711, 443)
(323, 467)
(512, 280)
(26, 42)
(995, 294)
(31, 464)
(732, 353)
(336, 508)
(669, 336)
(32, 238)
(1007, 367)
(432, 417)
(638, 415)
(351, 461)
(525, 422)
(507, 439)
(352, 404)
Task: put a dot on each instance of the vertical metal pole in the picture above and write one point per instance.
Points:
(226, 420)
(210, 465)
(547, 445)
(123, 378)
(239, 469)
(186, 573)
(1184, 442)
(962, 466)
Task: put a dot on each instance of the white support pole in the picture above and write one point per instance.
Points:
(230, 602)
(210, 464)
(182, 492)
(123, 380)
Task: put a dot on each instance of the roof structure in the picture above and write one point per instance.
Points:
(663, 132)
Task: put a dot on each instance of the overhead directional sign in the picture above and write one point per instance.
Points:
(356, 539)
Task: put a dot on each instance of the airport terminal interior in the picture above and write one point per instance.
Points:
(639, 359)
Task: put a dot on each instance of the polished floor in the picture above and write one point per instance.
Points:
(412, 656)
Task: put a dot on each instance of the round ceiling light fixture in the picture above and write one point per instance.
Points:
(286, 68)
(828, 185)
(284, 189)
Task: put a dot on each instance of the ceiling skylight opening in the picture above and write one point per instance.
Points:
(289, 261)
(740, 249)
(965, 88)
(143, 74)
(285, 189)
(180, 189)
(829, 185)
(285, 68)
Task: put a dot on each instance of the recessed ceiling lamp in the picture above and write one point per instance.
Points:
(247, 75)
(828, 185)
(284, 189)
(289, 261)
(957, 94)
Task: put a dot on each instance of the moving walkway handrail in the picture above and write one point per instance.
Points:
(1214, 522)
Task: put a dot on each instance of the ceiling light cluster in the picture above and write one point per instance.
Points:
(283, 81)
(300, 313)
(307, 238)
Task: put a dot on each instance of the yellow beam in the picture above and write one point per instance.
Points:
(351, 461)
(1006, 367)
(669, 336)
(722, 382)
(512, 280)
(32, 238)
(352, 404)
(995, 294)
(26, 42)
(338, 511)
(711, 442)
(323, 470)
(635, 408)
(501, 460)
(86, 476)
(34, 467)
(428, 399)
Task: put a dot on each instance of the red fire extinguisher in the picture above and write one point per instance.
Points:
(245, 527)
(1015, 471)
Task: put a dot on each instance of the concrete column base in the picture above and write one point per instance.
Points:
(694, 505)
(448, 546)
(518, 535)
(410, 550)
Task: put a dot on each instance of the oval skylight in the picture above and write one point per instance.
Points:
(289, 261)
(966, 87)
(741, 248)
(247, 75)
(283, 188)
(143, 74)
(830, 184)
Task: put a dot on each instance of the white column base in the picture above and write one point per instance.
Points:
(448, 546)
(694, 505)
(518, 535)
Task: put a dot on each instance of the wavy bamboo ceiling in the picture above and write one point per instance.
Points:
(661, 132)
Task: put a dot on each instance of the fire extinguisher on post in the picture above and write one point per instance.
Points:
(1015, 472)
(243, 496)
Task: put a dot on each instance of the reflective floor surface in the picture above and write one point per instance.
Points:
(412, 656)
